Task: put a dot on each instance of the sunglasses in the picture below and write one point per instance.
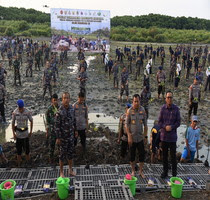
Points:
(169, 97)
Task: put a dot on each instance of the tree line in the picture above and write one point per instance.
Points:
(145, 28)
(28, 15)
(141, 21)
(161, 21)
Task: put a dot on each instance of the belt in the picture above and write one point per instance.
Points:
(21, 129)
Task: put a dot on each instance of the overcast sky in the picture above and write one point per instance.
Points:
(193, 8)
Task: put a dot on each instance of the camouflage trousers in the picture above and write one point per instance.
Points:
(52, 145)
(67, 148)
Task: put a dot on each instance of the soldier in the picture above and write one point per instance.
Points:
(80, 55)
(135, 119)
(189, 66)
(130, 59)
(9, 56)
(20, 116)
(30, 65)
(122, 137)
(16, 65)
(64, 127)
(172, 69)
(47, 79)
(3, 74)
(154, 53)
(138, 67)
(115, 70)
(37, 60)
(81, 116)
(194, 97)
(65, 54)
(54, 69)
(82, 77)
(196, 62)
(162, 55)
(161, 79)
(61, 57)
(2, 100)
(83, 63)
(20, 51)
(145, 98)
(124, 84)
(2, 52)
(50, 124)
(46, 53)
(41, 55)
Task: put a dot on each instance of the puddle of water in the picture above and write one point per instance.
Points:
(6, 131)
(74, 68)
(98, 119)
(112, 123)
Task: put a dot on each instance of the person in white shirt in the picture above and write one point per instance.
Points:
(207, 78)
(150, 62)
(179, 68)
(146, 75)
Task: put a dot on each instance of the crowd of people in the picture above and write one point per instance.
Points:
(66, 122)
(140, 62)
(70, 43)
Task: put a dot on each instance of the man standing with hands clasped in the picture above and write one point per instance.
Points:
(135, 120)
(65, 125)
(169, 121)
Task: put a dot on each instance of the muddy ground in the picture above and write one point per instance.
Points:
(101, 97)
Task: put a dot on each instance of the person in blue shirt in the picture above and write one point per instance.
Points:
(192, 138)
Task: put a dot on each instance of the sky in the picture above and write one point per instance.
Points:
(187, 8)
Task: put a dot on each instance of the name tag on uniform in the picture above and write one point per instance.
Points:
(141, 112)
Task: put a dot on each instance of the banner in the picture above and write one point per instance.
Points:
(75, 29)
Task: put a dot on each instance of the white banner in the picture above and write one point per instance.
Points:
(79, 21)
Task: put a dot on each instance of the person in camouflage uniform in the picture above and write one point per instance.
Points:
(161, 79)
(80, 55)
(54, 68)
(82, 77)
(3, 74)
(37, 60)
(115, 70)
(47, 79)
(172, 69)
(16, 65)
(9, 56)
(46, 53)
(124, 84)
(61, 57)
(2, 100)
(30, 65)
(50, 123)
(65, 125)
